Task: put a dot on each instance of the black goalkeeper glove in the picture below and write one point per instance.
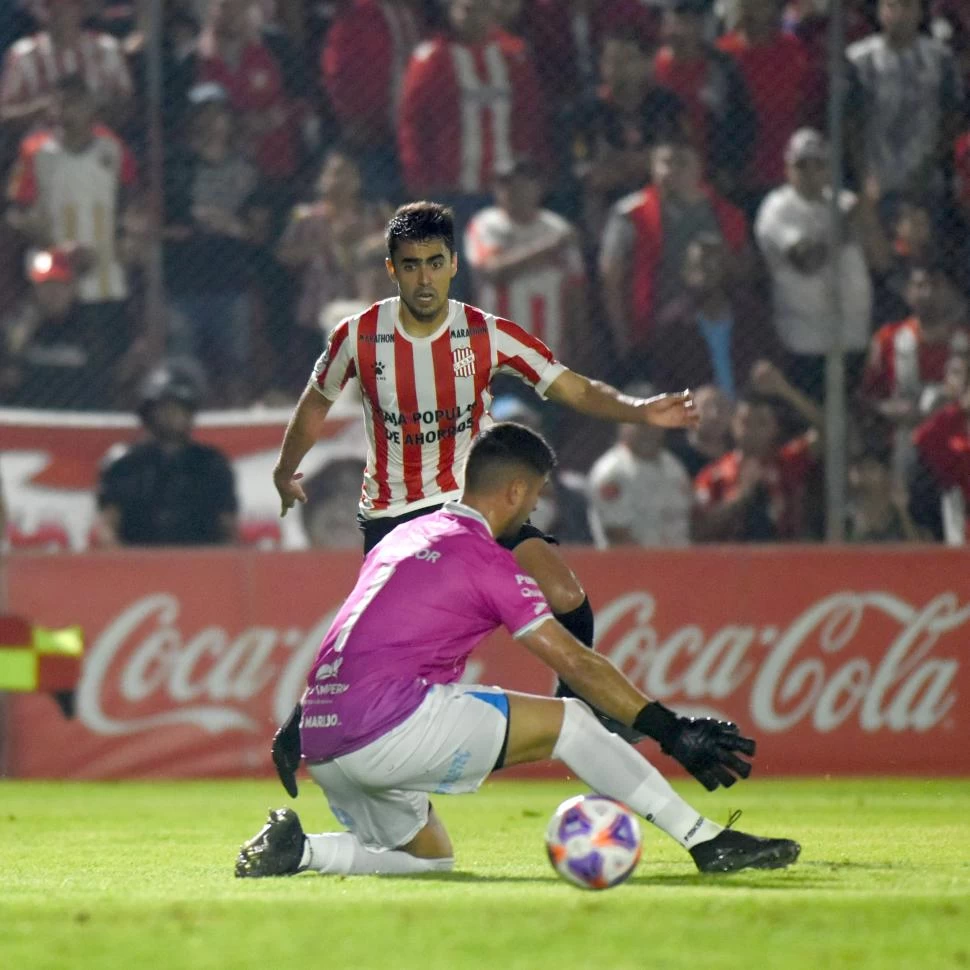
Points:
(287, 750)
(706, 747)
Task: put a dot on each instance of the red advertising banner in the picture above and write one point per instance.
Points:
(49, 462)
(849, 661)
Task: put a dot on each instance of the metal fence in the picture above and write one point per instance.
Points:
(761, 200)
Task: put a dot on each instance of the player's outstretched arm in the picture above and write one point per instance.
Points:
(600, 400)
(306, 425)
(709, 749)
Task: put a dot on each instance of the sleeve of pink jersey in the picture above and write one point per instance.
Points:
(336, 365)
(525, 356)
(513, 596)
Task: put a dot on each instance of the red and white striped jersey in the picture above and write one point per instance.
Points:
(34, 65)
(466, 110)
(537, 297)
(902, 362)
(425, 398)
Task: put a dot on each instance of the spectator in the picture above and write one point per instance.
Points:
(329, 513)
(363, 61)
(177, 70)
(34, 65)
(905, 104)
(777, 71)
(471, 102)
(47, 359)
(757, 492)
(808, 20)
(722, 118)
(526, 261)
(563, 508)
(334, 241)
(68, 189)
(919, 235)
(611, 133)
(233, 54)
(910, 355)
(710, 438)
(943, 444)
(878, 508)
(714, 333)
(566, 37)
(644, 243)
(793, 230)
(639, 492)
(167, 489)
(216, 223)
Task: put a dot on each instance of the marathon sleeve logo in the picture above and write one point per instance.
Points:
(464, 361)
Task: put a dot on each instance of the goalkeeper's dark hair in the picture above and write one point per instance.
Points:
(420, 222)
(504, 450)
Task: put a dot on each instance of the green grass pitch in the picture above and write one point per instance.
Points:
(140, 876)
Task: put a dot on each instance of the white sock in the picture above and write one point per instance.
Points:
(612, 767)
(340, 853)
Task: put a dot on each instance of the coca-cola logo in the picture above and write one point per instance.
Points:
(870, 657)
(867, 656)
(209, 679)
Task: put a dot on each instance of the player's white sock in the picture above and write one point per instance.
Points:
(611, 767)
(340, 853)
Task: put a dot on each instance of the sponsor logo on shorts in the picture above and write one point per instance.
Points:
(458, 761)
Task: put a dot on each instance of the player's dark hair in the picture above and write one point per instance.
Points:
(420, 222)
(501, 450)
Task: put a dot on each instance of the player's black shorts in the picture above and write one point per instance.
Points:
(375, 529)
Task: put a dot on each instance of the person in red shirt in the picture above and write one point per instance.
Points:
(722, 118)
(566, 37)
(471, 103)
(757, 493)
(644, 243)
(232, 55)
(363, 61)
(777, 71)
(471, 100)
(943, 445)
(907, 356)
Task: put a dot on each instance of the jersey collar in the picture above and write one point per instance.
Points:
(465, 511)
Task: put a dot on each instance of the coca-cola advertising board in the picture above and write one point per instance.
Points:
(848, 661)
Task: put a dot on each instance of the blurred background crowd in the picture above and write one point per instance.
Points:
(646, 186)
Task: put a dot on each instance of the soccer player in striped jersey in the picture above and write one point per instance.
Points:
(424, 364)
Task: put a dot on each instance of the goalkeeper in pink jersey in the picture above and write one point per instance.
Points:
(385, 720)
(424, 365)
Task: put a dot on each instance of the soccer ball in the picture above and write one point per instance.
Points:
(593, 841)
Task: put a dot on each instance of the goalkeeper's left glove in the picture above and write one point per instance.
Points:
(706, 747)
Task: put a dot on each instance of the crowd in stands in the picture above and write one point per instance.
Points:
(643, 184)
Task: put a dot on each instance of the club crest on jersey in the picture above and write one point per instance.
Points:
(464, 359)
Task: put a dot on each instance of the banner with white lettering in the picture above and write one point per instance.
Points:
(848, 661)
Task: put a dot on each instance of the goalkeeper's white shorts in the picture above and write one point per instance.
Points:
(449, 745)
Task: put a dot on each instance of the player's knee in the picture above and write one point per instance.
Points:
(577, 720)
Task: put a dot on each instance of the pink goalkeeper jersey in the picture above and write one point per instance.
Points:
(426, 596)
(425, 398)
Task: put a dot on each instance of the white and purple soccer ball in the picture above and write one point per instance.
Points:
(594, 842)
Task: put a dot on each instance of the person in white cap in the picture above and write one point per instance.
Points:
(793, 231)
